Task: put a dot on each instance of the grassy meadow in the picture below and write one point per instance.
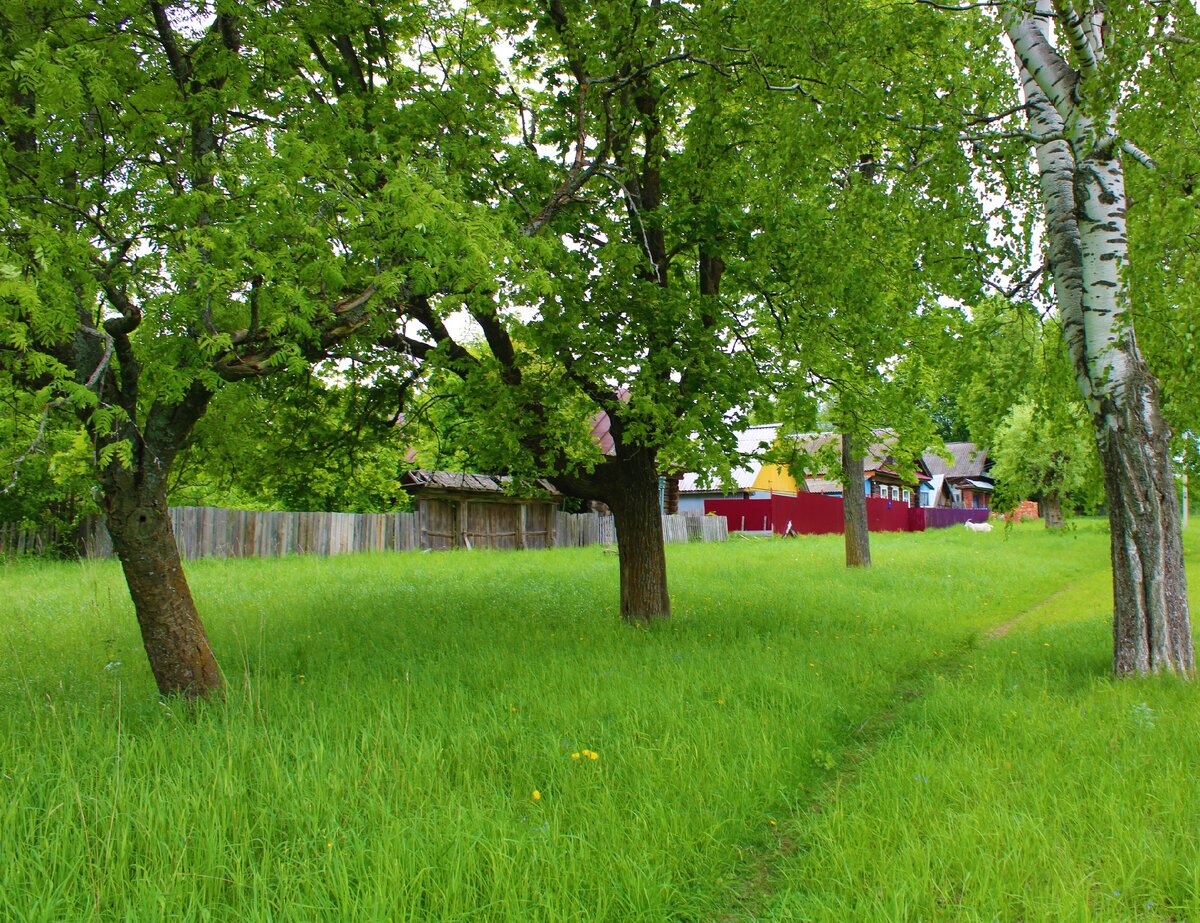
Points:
(475, 736)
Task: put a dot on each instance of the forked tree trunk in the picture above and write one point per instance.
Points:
(1052, 513)
(172, 634)
(633, 499)
(854, 506)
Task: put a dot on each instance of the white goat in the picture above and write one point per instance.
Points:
(978, 526)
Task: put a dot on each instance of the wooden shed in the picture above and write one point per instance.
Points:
(461, 510)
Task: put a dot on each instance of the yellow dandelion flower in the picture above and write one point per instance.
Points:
(537, 796)
(720, 701)
(593, 755)
(587, 753)
(574, 756)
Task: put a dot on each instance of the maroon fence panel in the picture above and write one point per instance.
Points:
(937, 517)
(742, 515)
(807, 514)
(811, 514)
(886, 515)
(916, 519)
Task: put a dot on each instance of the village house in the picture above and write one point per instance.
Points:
(757, 479)
(963, 482)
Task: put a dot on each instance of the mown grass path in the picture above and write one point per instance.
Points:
(390, 719)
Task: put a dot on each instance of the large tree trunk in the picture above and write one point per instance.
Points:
(1052, 513)
(1151, 627)
(854, 506)
(180, 656)
(633, 499)
(1083, 193)
(135, 505)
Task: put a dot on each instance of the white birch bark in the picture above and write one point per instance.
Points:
(1083, 193)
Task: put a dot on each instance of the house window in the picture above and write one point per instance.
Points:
(905, 496)
(895, 492)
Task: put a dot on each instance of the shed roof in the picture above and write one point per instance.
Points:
(419, 478)
(968, 461)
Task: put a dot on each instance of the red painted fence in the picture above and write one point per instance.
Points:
(815, 514)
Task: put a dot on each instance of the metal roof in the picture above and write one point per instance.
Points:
(876, 457)
(751, 441)
(967, 461)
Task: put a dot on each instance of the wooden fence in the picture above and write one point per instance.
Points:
(15, 540)
(210, 532)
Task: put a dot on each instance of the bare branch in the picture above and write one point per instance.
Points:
(181, 69)
(1139, 155)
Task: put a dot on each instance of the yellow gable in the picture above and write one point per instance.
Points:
(775, 479)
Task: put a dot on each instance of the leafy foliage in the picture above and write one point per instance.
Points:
(1043, 454)
(296, 442)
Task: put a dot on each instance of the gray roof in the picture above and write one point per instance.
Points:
(968, 461)
(877, 456)
(462, 480)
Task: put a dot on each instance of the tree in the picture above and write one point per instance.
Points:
(615, 307)
(1073, 77)
(167, 228)
(856, 254)
(1017, 393)
(45, 471)
(854, 505)
(1164, 262)
(1047, 454)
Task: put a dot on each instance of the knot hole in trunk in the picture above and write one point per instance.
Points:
(141, 521)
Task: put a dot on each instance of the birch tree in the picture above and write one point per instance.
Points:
(1072, 88)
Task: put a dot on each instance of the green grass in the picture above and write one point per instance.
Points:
(1027, 784)
(799, 742)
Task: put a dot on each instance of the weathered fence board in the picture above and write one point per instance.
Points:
(211, 532)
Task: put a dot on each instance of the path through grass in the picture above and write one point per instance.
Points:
(1025, 784)
(391, 718)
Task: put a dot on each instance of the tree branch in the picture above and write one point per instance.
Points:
(1081, 43)
(1139, 155)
